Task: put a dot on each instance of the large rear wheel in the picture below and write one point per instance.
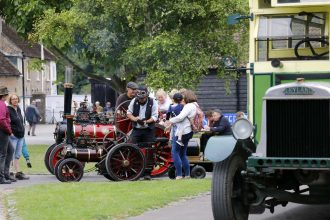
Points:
(227, 190)
(54, 156)
(46, 157)
(162, 153)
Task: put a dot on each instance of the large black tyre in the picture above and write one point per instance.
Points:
(227, 183)
(46, 157)
(198, 172)
(56, 168)
(106, 175)
(54, 156)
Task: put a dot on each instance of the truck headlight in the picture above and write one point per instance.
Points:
(242, 129)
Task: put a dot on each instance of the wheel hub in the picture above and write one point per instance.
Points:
(126, 163)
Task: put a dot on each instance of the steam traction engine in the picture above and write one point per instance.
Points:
(89, 137)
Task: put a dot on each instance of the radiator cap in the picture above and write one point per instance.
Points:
(300, 80)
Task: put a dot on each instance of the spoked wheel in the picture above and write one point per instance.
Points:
(54, 156)
(108, 139)
(106, 175)
(122, 122)
(198, 172)
(69, 170)
(227, 192)
(163, 160)
(56, 168)
(162, 154)
(46, 157)
(102, 170)
(125, 162)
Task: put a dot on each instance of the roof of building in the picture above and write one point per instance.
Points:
(6, 68)
(30, 49)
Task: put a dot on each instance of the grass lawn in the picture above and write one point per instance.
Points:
(112, 200)
(37, 155)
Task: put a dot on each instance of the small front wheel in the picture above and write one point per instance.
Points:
(69, 170)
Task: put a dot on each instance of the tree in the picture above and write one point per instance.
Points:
(173, 42)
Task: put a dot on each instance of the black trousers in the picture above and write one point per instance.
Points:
(6, 154)
(142, 135)
(204, 138)
(146, 135)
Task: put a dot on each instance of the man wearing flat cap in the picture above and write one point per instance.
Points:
(129, 95)
(6, 149)
(143, 112)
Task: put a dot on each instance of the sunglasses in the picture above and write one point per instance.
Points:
(142, 93)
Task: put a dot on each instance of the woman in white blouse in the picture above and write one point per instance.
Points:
(164, 101)
(179, 153)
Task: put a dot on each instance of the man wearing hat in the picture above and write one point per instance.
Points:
(143, 112)
(6, 149)
(129, 95)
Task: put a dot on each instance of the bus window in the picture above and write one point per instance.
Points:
(278, 35)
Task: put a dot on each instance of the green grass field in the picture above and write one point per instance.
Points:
(112, 200)
(37, 153)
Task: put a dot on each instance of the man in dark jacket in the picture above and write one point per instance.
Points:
(33, 117)
(6, 149)
(128, 95)
(220, 126)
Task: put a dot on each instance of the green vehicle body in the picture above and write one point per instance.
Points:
(287, 158)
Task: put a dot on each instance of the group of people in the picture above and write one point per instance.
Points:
(144, 111)
(177, 112)
(12, 131)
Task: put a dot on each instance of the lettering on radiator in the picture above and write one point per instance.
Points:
(298, 90)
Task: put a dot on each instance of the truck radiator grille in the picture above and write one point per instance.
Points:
(298, 128)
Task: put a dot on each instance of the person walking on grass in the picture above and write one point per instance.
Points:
(32, 116)
(6, 149)
(17, 137)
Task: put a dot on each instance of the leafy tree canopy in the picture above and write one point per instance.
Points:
(173, 42)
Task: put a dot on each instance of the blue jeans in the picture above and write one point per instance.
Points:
(179, 155)
(25, 151)
(17, 144)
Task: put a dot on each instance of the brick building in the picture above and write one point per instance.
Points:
(18, 56)
(9, 75)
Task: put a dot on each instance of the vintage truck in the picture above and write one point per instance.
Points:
(281, 153)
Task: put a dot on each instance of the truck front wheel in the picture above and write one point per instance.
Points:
(227, 190)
